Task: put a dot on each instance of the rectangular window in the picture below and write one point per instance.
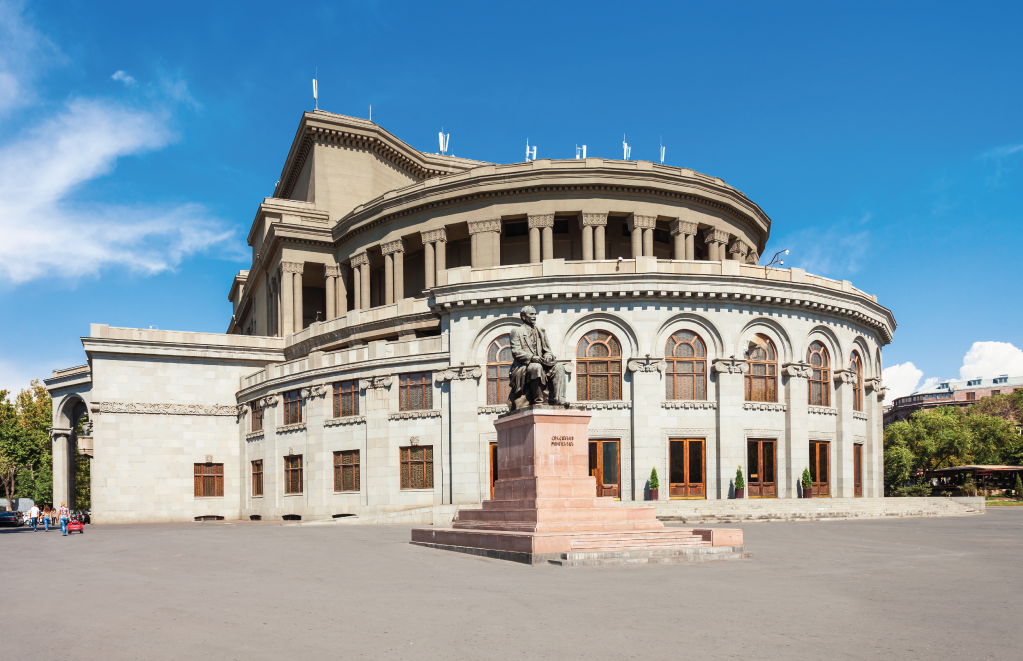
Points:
(257, 416)
(996, 392)
(415, 391)
(209, 480)
(970, 396)
(346, 470)
(346, 399)
(293, 474)
(417, 467)
(257, 477)
(292, 407)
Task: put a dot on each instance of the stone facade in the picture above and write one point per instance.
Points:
(364, 287)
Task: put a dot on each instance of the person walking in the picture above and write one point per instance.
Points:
(33, 515)
(47, 514)
(62, 515)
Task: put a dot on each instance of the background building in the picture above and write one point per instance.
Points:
(963, 392)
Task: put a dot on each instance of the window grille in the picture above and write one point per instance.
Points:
(292, 407)
(257, 477)
(417, 467)
(415, 391)
(762, 378)
(209, 480)
(499, 360)
(346, 398)
(599, 367)
(687, 366)
(820, 390)
(293, 474)
(346, 470)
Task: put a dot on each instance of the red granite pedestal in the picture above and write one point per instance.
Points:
(545, 504)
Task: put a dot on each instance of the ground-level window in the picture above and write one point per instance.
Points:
(209, 480)
(346, 470)
(293, 474)
(415, 391)
(257, 477)
(417, 467)
(292, 407)
(257, 416)
(346, 398)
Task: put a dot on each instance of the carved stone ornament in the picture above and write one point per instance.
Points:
(797, 370)
(494, 408)
(166, 409)
(459, 373)
(738, 247)
(414, 415)
(822, 410)
(730, 366)
(347, 420)
(688, 404)
(642, 222)
(87, 429)
(59, 432)
(314, 391)
(844, 376)
(751, 257)
(332, 271)
(857, 415)
(540, 220)
(647, 364)
(880, 393)
(360, 258)
(481, 226)
(375, 382)
(398, 245)
(593, 219)
(430, 236)
(683, 227)
(293, 267)
(298, 426)
(269, 400)
(716, 236)
(873, 383)
(764, 406)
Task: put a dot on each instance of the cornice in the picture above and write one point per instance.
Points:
(94, 345)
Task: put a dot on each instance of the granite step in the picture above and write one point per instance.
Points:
(649, 556)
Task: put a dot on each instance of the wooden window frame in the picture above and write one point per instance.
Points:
(208, 480)
(407, 462)
(502, 384)
(820, 374)
(257, 416)
(341, 389)
(697, 360)
(292, 407)
(347, 459)
(423, 380)
(761, 342)
(584, 365)
(293, 474)
(257, 478)
(856, 365)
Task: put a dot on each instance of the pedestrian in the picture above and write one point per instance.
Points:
(62, 514)
(33, 515)
(47, 513)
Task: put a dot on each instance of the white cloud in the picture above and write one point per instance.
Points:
(48, 233)
(124, 78)
(901, 380)
(990, 359)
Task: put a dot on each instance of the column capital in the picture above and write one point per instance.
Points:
(751, 257)
(684, 227)
(429, 236)
(716, 236)
(844, 376)
(738, 246)
(593, 220)
(482, 226)
(540, 220)
(360, 258)
(797, 370)
(58, 432)
(332, 270)
(389, 247)
(730, 366)
(293, 267)
(642, 222)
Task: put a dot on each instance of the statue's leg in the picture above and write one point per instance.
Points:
(559, 385)
(536, 390)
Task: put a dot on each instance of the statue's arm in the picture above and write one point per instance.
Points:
(518, 349)
(548, 354)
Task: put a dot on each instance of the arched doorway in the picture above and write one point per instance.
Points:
(72, 451)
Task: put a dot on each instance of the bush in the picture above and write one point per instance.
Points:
(969, 487)
(807, 479)
(654, 484)
(740, 483)
(914, 491)
(1018, 488)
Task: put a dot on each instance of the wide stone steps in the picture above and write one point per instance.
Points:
(811, 509)
(649, 556)
(639, 542)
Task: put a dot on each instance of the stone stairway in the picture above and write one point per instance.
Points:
(624, 541)
(650, 556)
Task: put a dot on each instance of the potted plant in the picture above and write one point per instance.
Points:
(807, 484)
(740, 483)
(654, 484)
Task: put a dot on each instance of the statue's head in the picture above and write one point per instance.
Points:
(528, 314)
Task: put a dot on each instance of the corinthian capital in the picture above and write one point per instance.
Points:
(390, 247)
(642, 222)
(332, 270)
(429, 236)
(360, 258)
(481, 226)
(540, 220)
(716, 236)
(592, 219)
(738, 247)
(293, 267)
(685, 227)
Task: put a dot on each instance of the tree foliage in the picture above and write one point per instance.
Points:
(25, 441)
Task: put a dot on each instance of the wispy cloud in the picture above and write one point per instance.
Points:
(23, 53)
(835, 251)
(124, 78)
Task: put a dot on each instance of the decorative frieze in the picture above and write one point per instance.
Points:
(459, 373)
(642, 222)
(430, 236)
(375, 382)
(540, 220)
(165, 409)
(763, 433)
(481, 226)
(822, 436)
(598, 406)
(859, 415)
(764, 406)
(253, 436)
(360, 259)
(398, 245)
(298, 426)
(647, 364)
(497, 408)
(730, 366)
(683, 227)
(412, 415)
(688, 404)
(293, 267)
(347, 420)
(822, 410)
(593, 220)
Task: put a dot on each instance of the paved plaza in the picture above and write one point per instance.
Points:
(886, 589)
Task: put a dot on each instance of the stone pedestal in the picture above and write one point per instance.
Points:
(545, 501)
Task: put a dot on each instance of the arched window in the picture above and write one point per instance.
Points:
(687, 366)
(499, 360)
(820, 390)
(599, 366)
(762, 378)
(856, 366)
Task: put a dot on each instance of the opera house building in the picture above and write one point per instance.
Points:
(367, 356)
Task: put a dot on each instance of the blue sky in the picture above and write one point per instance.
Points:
(884, 141)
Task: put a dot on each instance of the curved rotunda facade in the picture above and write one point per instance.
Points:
(367, 355)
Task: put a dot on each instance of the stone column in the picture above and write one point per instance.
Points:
(486, 243)
(731, 446)
(648, 243)
(431, 269)
(388, 279)
(716, 242)
(288, 271)
(435, 247)
(541, 225)
(684, 232)
(797, 431)
(642, 230)
(360, 264)
(356, 287)
(60, 445)
(842, 448)
(595, 222)
(299, 306)
(587, 243)
(394, 256)
(873, 451)
(337, 302)
(331, 294)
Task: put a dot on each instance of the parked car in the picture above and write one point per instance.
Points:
(10, 519)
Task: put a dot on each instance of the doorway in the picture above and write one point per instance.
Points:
(820, 455)
(605, 466)
(686, 459)
(493, 468)
(858, 470)
(761, 459)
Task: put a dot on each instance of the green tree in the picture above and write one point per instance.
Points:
(654, 483)
(1018, 488)
(740, 482)
(83, 482)
(44, 481)
(8, 474)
